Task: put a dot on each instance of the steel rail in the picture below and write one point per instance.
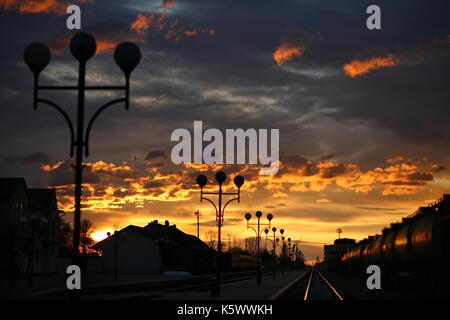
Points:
(309, 285)
(330, 286)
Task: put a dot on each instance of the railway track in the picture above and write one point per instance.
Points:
(160, 292)
(150, 289)
(319, 288)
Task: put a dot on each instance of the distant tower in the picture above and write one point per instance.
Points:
(197, 213)
(339, 231)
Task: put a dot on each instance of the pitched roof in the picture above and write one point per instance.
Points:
(160, 233)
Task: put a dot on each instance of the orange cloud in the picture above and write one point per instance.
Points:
(37, 6)
(197, 31)
(166, 4)
(116, 186)
(360, 67)
(294, 44)
(286, 53)
(33, 6)
(406, 56)
(109, 41)
(161, 23)
(141, 24)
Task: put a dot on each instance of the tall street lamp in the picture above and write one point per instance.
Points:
(289, 255)
(274, 243)
(220, 178)
(283, 250)
(83, 46)
(197, 214)
(258, 214)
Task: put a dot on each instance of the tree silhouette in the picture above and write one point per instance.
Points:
(211, 240)
(65, 234)
(86, 229)
(65, 238)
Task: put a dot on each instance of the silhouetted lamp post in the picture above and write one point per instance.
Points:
(274, 242)
(289, 254)
(283, 250)
(266, 231)
(258, 214)
(197, 214)
(83, 46)
(220, 178)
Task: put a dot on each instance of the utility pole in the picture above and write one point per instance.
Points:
(197, 213)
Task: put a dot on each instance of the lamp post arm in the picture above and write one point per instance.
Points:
(76, 87)
(91, 122)
(64, 114)
(212, 202)
(250, 227)
(231, 200)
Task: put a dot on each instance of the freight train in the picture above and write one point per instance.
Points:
(419, 245)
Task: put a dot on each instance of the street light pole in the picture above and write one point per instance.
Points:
(274, 243)
(289, 255)
(82, 46)
(79, 161)
(258, 238)
(220, 178)
(197, 213)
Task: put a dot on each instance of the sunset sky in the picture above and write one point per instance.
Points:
(363, 115)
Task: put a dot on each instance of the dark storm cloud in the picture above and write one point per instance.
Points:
(153, 184)
(63, 174)
(438, 169)
(33, 158)
(230, 80)
(328, 156)
(156, 153)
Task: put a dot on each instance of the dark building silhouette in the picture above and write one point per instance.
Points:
(154, 248)
(337, 249)
(29, 228)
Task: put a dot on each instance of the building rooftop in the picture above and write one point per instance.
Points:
(163, 234)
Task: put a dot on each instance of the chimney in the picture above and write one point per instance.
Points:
(166, 224)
